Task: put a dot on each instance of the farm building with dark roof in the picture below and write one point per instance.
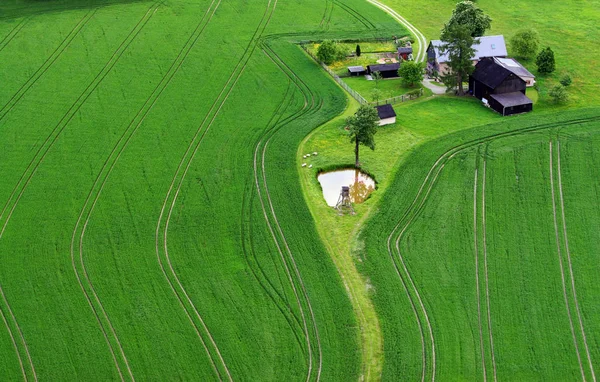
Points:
(386, 70)
(386, 113)
(499, 88)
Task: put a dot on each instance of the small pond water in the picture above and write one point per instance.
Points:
(361, 185)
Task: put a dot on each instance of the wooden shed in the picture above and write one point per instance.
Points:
(386, 113)
(357, 70)
(386, 70)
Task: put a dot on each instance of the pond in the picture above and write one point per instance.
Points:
(361, 185)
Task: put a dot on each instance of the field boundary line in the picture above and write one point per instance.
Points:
(15, 31)
(568, 251)
(420, 57)
(47, 64)
(560, 257)
(476, 251)
(485, 264)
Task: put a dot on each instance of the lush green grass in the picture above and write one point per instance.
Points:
(389, 88)
(129, 100)
(438, 249)
(569, 28)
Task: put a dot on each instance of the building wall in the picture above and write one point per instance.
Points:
(387, 121)
(511, 84)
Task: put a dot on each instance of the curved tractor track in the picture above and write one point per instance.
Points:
(407, 281)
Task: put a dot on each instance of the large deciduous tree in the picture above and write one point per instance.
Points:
(458, 44)
(471, 16)
(363, 127)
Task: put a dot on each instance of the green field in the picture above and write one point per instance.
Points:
(156, 223)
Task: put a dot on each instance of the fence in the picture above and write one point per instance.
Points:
(354, 93)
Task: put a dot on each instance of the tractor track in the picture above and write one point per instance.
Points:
(420, 198)
(47, 64)
(15, 31)
(34, 167)
(352, 12)
(476, 251)
(181, 173)
(485, 265)
(102, 178)
(568, 253)
(264, 141)
(14, 341)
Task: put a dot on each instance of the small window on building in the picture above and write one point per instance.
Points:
(493, 46)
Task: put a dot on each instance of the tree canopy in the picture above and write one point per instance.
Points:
(363, 127)
(469, 15)
(458, 43)
(525, 43)
(545, 61)
(329, 51)
(411, 73)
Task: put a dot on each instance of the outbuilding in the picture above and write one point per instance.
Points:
(499, 88)
(387, 115)
(405, 52)
(386, 70)
(357, 70)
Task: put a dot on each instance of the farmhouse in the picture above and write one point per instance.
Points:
(499, 88)
(489, 46)
(356, 70)
(405, 52)
(387, 115)
(386, 70)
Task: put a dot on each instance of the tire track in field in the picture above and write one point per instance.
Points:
(47, 64)
(179, 177)
(110, 163)
(15, 31)
(476, 250)
(355, 14)
(421, 197)
(21, 338)
(40, 155)
(560, 257)
(269, 214)
(485, 266)
(568, 252)
(420, 57)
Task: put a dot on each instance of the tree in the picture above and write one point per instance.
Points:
(469, 15)
(458, 43)
(411, 72)
(376, 94)
(566, 80)
(525, 43)
(357, 50)
(363, 126)
(545, 61)
(327, 52)
(376, 76)
(559, 94)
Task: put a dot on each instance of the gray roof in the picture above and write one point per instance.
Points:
(489, 46)
(385, 67)
(512, 99)
(356, 69)
(514, 66)
(405, 50)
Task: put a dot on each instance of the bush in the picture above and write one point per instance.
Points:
(329, 51)
(559, 94)
(566, 80)
(545, 61)
(411, 73)
(525, 43)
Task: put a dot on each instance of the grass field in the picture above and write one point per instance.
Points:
(150, 201)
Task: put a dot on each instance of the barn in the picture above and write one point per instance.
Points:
(387, 115)
(405, 52)
(499, 88)
(386, 70)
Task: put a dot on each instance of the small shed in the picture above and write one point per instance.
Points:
(510, 103)
(404, 52)
(357, 70)
(386, 113)
(386, 70)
